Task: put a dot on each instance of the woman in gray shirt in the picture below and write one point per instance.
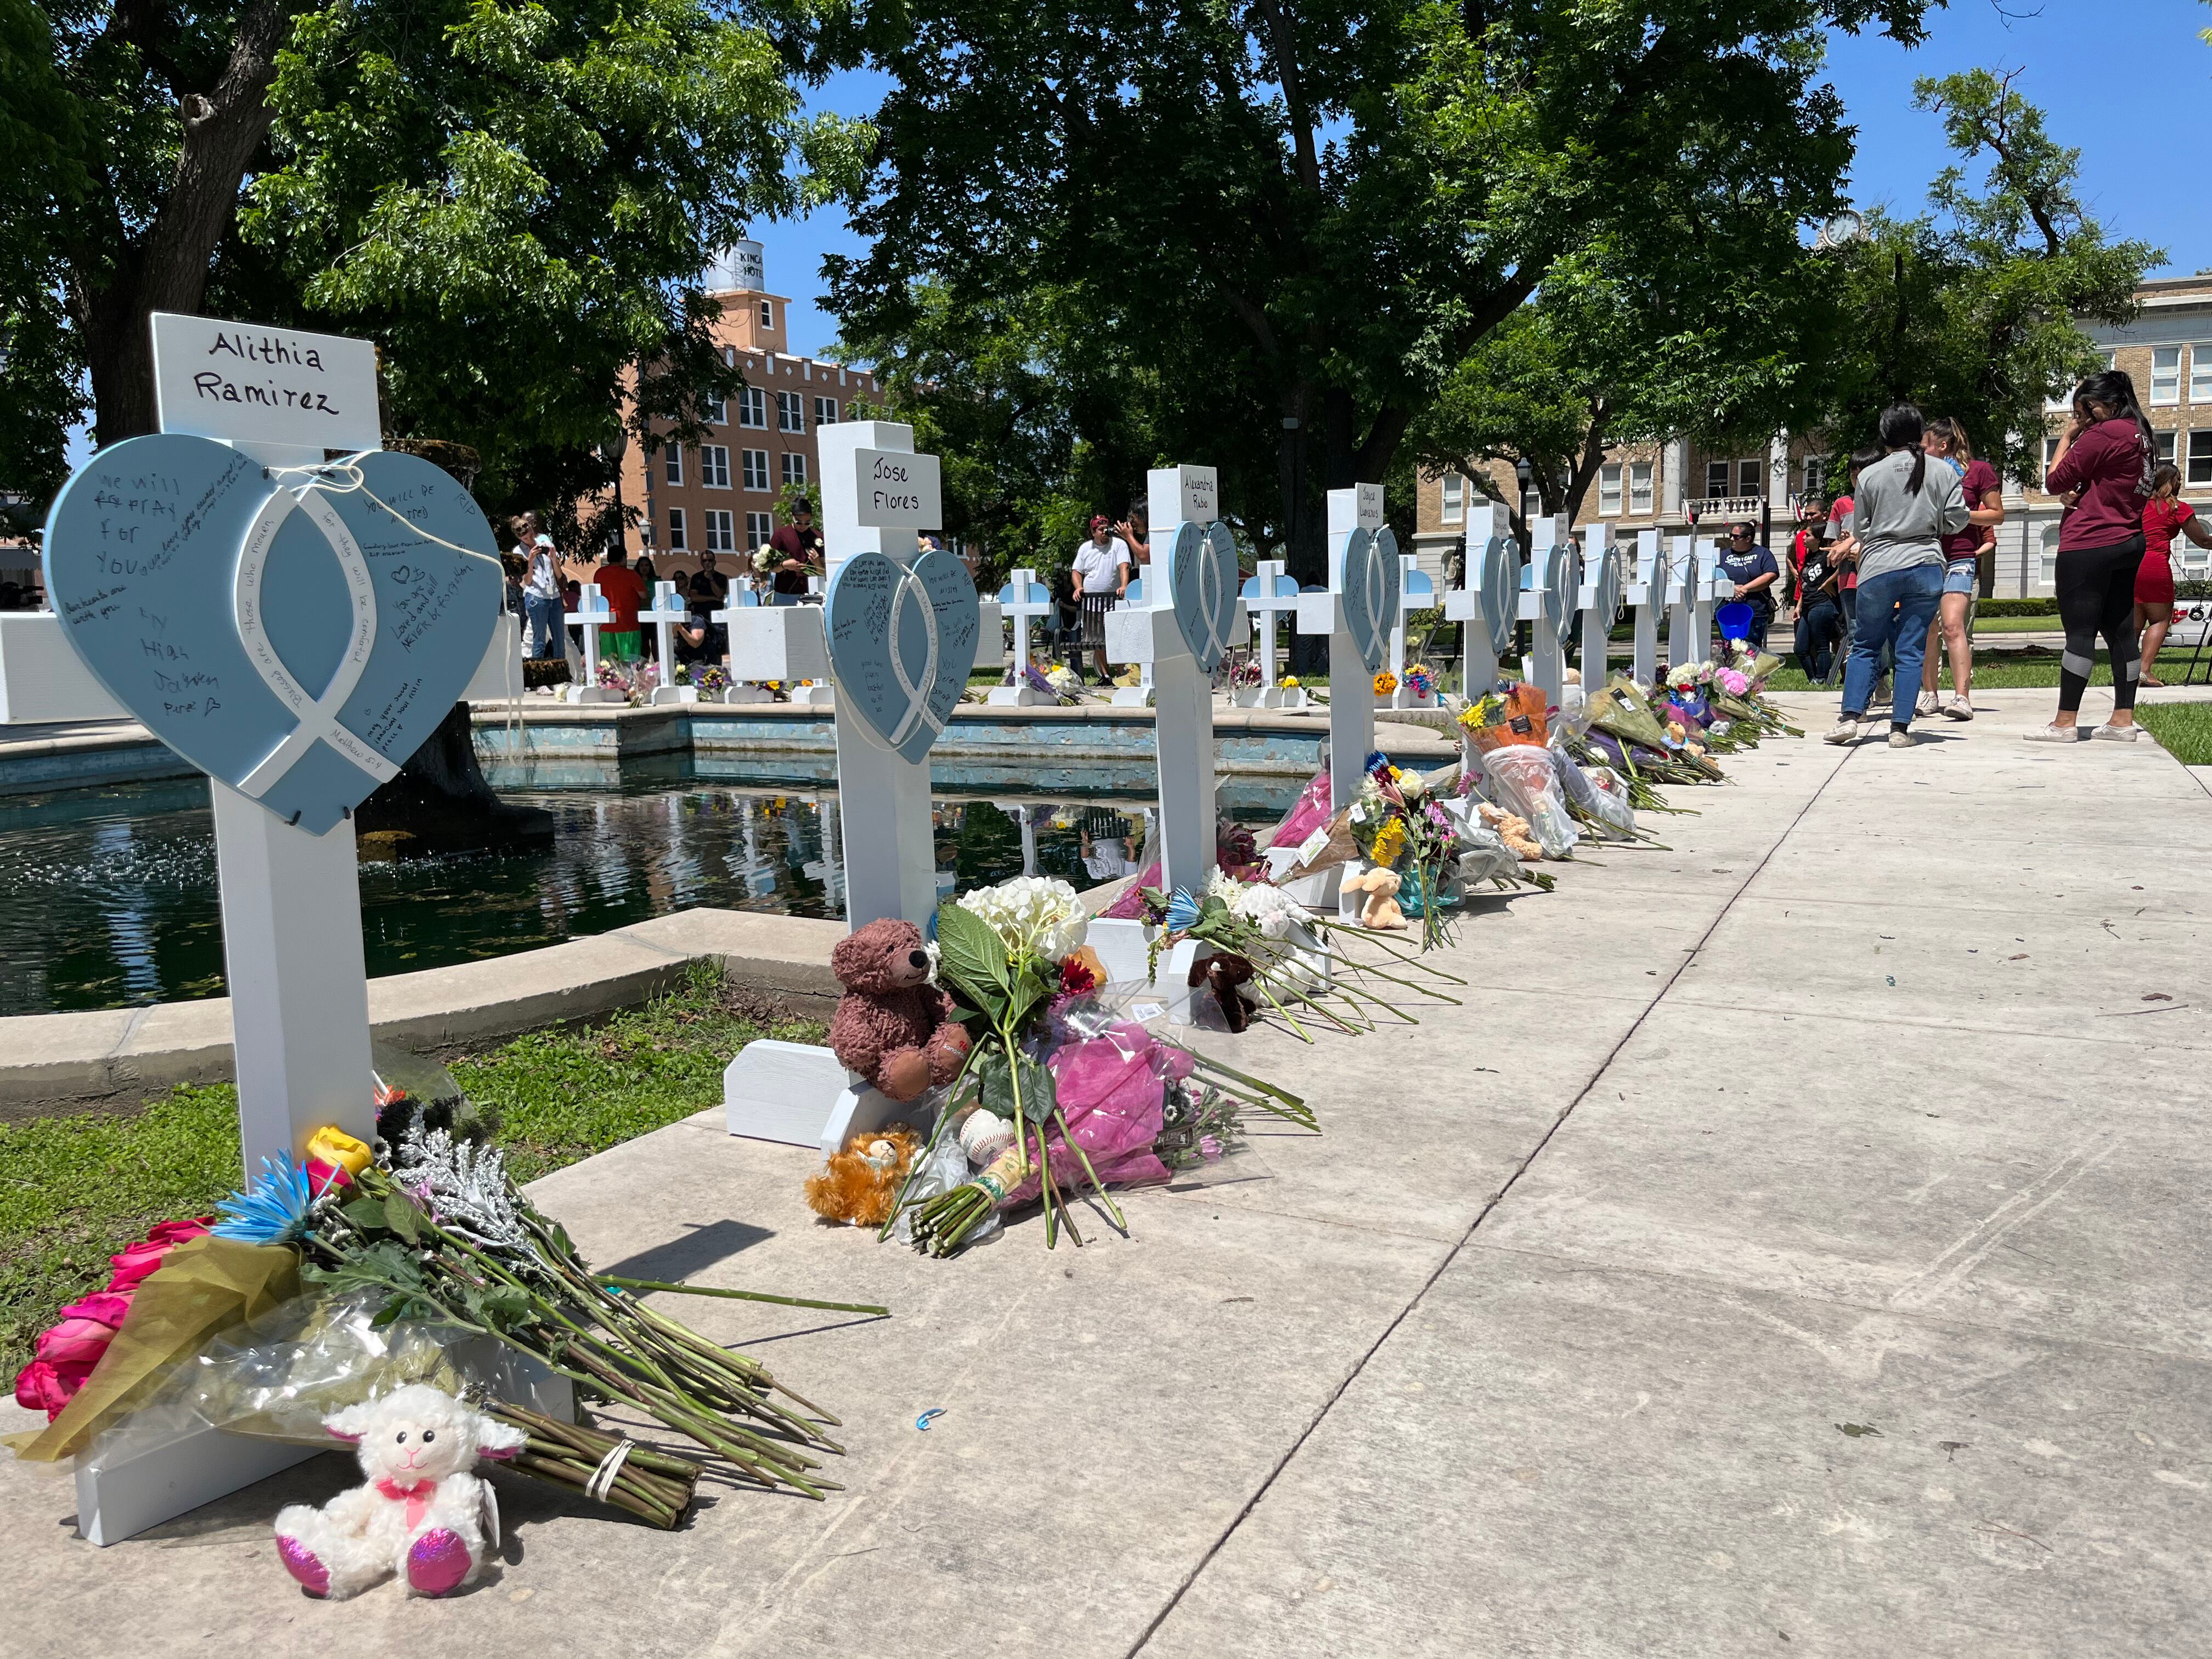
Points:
(1902, 510)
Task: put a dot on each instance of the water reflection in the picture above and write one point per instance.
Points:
(112, 901)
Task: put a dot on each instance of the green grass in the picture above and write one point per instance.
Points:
(2183, 729)
(1994, 670)
(76, 1189)
(1988, 624)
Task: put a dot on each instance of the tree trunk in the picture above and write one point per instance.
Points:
(167, 269)
(440, 803)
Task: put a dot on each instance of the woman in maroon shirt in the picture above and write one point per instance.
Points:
(2163, 515)
(2104, 462)
(1946, 440)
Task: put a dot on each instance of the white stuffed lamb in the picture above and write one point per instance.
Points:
(420, 1516)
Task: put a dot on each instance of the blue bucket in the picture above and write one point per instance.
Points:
(1734, 620)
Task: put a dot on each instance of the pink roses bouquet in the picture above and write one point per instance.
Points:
(68, 1354)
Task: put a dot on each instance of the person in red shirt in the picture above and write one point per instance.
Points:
(2163, 515)
(623, 590)
(2103, 466)
(1945, 440)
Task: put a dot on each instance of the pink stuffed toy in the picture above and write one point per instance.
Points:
(422, 1515)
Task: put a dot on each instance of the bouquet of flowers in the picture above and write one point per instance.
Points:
(1245, 674)
(1398, 826)
(708, 677)
(1288, 683)
(1386, 684)
(1421, 680)
(426, 1227)
(765, 560)
(1058, 1092)
(1647, 745)
(1065, 683)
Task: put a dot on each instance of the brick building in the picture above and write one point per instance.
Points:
(2167, 350)
(721, 493)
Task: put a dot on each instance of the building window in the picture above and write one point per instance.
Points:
(790, 412)
(759, 526)
(767, 314)
(719, 537)
(1609, 491)
(826, 412)
(678, 541)
(2165, 376)
(714, 466)
(2200, 456)
(1716, 478)
(1747, 483)
(755, 468)
(729, 356)
(1454, 498)
(794, 467)
(752, 406)
(2165, 446)
(2049, 575)
(717, 412)
(1639, 487)
(676, 463)
(2200, 374)
(2050, 452)
(1816, 474)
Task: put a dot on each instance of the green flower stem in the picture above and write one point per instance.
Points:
(1096, 1185)
(740, 1296)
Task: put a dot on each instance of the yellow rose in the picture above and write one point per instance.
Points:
(333, 1146)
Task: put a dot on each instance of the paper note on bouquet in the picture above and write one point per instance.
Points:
(296, 635)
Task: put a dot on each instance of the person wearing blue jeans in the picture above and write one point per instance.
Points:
(1894, 611)
(1901, 511)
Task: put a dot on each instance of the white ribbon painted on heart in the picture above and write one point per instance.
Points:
(317, 716)
(1217, 606)
(917, 696)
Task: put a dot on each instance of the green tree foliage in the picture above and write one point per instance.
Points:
(1302, 220)
(514, 201)
(1969, 309)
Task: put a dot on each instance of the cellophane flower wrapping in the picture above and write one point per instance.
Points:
(1110, 1087)
(1310, 813)
(1521, 778)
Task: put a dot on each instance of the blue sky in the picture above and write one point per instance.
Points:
(2126, 81)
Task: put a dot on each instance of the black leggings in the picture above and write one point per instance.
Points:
(2096, 595)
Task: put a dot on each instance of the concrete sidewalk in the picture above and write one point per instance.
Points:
(1575, 1334)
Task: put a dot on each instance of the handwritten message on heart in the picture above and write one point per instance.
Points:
(1202, 583)
(297, 636)
(1495, 575)
(902, 642)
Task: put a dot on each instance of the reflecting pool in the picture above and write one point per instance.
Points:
(110, 900)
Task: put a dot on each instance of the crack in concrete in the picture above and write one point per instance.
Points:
(1360, 1365)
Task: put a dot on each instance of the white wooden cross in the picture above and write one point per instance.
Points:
(666, 611)
(1706, 596)
(293, 955)
(1140, 695)
(780, 642)
(1489, 593)
(591, 614)
(1551, 577)
(1351, 684)
(1269, 594)
(1681, 584)
(1415, 592)
(1645, 594)
(1025, 599)
(1599, 598)
(742, 600)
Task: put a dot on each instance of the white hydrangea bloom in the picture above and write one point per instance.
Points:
(1039, 915)
(1272, 910)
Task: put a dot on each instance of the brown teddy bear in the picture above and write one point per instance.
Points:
(858, 1185)
(892, 1025)
(1381, 886)
(1225, 972)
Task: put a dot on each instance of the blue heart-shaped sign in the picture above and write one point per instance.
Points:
(1370, 593)
(1202, 582)
(902, 641)
(1563, 583)
(1495, 575)
(295, 636)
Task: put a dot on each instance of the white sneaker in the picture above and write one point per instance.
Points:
(2116, 733)
(1958, 709)
(2054, 734)
(1844, 733)
(1901, 739)
(1929, 703)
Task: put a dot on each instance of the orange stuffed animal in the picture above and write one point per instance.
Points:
(858, 1185)
(1381, 886)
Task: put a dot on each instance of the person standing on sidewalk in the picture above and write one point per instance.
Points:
(2163, 515)
(2106, 459)
(541, 589)
(1901, 511)
(1946, 440)
(1752, 575)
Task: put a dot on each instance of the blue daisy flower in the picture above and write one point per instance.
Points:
(1182, 910)
(275, 1212)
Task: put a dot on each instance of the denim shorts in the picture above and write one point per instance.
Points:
(1961, 575)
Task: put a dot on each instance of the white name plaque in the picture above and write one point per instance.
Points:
(256, 384)
(895, 489)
